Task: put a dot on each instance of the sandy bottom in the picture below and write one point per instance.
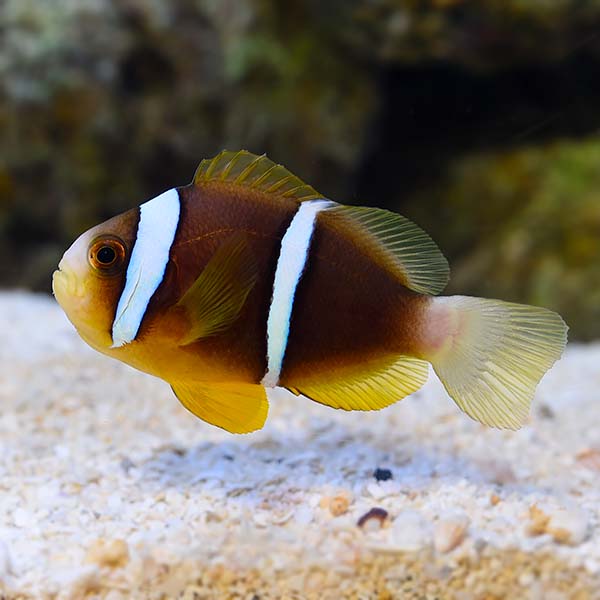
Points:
(109, 488)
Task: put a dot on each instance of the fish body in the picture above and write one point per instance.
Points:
(248, 279)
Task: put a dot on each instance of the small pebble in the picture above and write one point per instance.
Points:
(449, 532)
(538, 521)
(261, 519)
(304, 515)
(77, 582)
(338, 505)
(23, 518)
(280, 518)
(499, 472)
(377, 491)
(376, 515)
(410, 532)
(382, 474)
(589, 458)
(111, 553)
(568, 526)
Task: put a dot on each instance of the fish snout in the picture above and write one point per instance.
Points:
(64, 281)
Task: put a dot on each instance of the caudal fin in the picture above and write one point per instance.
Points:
(490, 355)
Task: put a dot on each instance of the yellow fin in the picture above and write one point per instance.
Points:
(235, 407)
(216, 298)
(368, 387)
(494, 355)
(253, 171)
(412, 254)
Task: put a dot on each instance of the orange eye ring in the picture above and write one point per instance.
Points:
(107, 255)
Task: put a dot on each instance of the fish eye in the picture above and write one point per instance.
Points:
(107, 255)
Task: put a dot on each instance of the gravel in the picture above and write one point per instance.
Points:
(111, 489)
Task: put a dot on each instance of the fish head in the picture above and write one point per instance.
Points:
(91, 276)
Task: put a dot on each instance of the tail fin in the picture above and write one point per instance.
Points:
(490, 355)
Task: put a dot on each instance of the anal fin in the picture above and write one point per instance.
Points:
(365, 387)
(235, 407)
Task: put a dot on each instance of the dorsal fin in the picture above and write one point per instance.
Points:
(404, 246)
(256, 172)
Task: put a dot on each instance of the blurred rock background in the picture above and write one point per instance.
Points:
(479, 119)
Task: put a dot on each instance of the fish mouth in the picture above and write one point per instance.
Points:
(59, 282)
(63, 284)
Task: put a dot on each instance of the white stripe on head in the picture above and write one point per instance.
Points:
(159, 218)
(290, 265)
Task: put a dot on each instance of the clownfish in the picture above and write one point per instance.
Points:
(248, 279)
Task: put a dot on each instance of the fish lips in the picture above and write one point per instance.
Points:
(64, 284)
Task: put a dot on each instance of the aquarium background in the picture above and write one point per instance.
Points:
(479, 120)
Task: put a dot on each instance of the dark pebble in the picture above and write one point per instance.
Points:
(375, 513)
(382, 474)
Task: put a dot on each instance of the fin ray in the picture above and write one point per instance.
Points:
(254, 171)
(495, 355)
(374, 387)
(235, 407)
(215, 299)
(404, 246)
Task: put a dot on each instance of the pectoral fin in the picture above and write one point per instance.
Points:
(235, 407)
(215, 299)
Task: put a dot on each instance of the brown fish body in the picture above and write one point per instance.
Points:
(211, 216)
(349, 309)
(248, 278)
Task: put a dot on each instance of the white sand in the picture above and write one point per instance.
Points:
(110, 488)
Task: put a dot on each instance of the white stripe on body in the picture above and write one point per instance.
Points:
(290, 265)
(159, 218)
